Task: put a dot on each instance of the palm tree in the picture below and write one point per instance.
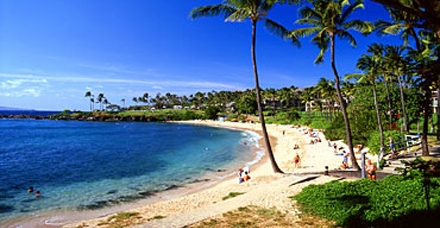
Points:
(328, 20)
(123, 103)
(426, 12)
(397, 64)
(269, 94)
(240, 10)
(371, 66)
(307, 97)
(382, 66)
(90, 95)
(100, 99)
(325, 89)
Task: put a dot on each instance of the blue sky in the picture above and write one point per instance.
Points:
(53, 52)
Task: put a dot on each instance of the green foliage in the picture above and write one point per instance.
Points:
(293, 115)
(374, 140)
(391, 202)
(211, 113)
(425, 168)
(336, 130)
(363, 124)
(232, 195)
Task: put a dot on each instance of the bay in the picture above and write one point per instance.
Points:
(81, 165)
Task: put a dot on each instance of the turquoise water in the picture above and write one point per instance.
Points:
(80, 165)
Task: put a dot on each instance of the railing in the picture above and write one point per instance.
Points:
(411, 141)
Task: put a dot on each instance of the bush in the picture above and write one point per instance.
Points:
(211, 112)
(374, 140)
(391, 202)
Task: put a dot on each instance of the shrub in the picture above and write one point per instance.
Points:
(391, 202)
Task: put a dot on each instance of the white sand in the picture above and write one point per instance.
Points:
(266, 188)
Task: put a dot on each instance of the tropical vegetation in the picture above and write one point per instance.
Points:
(394, 92)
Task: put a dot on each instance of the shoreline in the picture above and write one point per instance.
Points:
(197, 196)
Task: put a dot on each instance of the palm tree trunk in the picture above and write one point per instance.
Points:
(274, 164)
(427, 114)
(390, 107)
(402, 99)
(379, 121)
(343, 107)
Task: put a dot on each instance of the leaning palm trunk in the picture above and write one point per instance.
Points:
(343, 107)
(260, 109)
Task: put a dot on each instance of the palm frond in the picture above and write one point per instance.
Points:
(281, 31)
(302, 32)
(364, 27)
(211, 11)
(307, 12)
(344, 35)
(320, 58)
(239, 15)
(359, 4)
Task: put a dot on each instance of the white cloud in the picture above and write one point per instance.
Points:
(158, 83)
(20, 87)
(30, 92)
(157, 87)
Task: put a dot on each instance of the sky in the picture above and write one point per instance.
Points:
(52, 52)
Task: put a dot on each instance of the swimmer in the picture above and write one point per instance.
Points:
(37, 193)
(31, 189)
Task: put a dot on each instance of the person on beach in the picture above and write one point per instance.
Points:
(246, 176)
(335, 147)
(371, 170)
(240, 175)
(296, 160)
(246, 169)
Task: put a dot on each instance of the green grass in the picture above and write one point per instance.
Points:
(232, 195)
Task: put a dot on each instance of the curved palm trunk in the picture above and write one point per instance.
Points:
(379, 121)
(343, 107)
(274, 164)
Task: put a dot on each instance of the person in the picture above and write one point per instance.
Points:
(31, 189)
(37, 193)
(371, 170)
(296, 146)
(240, 173)
(296, 160)
(246, 176)
(246, 169)
(392, 148)
(345, 159)
(335, 147)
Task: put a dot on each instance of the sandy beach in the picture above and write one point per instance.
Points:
(266, 188)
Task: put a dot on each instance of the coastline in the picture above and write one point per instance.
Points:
(199, 196)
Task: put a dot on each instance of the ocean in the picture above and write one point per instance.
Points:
(79, 166)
